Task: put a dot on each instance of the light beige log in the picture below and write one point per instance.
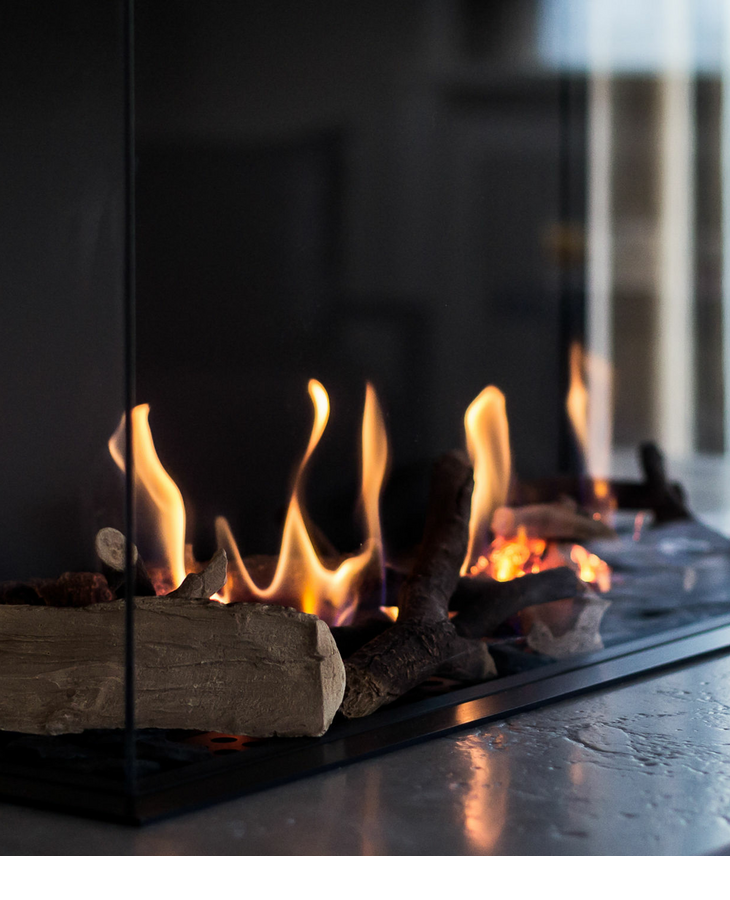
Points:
(246, 668)
(549, 521)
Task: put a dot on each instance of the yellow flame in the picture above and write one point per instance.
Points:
(601, 488)
(153, 482)
(487, 442)
(374, 464)
(576, 403)
(300, 575)
(591, 568)
(391, 612)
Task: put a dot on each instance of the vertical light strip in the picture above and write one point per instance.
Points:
(725, 181)
(599, 325)
(675, 380)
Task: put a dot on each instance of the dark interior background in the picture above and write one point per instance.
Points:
(61, 341)
(348, 191)
(341, 190)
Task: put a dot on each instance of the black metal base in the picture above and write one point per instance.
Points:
(271, 763)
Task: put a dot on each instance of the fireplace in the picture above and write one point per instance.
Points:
(310, 303)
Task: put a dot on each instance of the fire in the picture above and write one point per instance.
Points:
(487, 442)
(391, 612)
(154, 488)
(591, 568)
(300, 574)
(577, 406)
(509, 558)
(576, 402)
(300, 577)
(487, 439)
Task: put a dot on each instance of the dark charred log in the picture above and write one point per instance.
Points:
(423, 639)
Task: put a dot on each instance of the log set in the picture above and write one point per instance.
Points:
(442, 621)
(250, 668)
(665, 498)
(425, 641)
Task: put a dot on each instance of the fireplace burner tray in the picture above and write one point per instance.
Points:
(675, 578)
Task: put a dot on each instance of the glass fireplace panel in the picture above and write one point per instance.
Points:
(369, 212)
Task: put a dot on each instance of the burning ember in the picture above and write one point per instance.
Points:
(511, 558)
(506, 556)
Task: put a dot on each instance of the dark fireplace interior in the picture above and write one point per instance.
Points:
(401, 196)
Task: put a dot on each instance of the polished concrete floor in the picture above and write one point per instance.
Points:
(639, 769)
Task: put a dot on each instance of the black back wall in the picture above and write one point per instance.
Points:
(336, 190)
(60, 280)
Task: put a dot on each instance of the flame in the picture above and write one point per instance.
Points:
(487, 442)
(391, 612)
(591, 568)
(601, 489)
(300, 575)
(153, 484)
(576, 403)
(509, 558)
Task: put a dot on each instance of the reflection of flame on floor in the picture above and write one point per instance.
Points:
(511, 558)
(485, 803)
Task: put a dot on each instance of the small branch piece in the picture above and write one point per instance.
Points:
(483, 604)
(423, 639)
(549, 521)
(666, 499)
(110, 548)
(205, 583)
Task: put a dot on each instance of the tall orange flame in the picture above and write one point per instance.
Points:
(487, 439)
(487, 442)
(576, 402)
(299, 573)
(154, 484)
